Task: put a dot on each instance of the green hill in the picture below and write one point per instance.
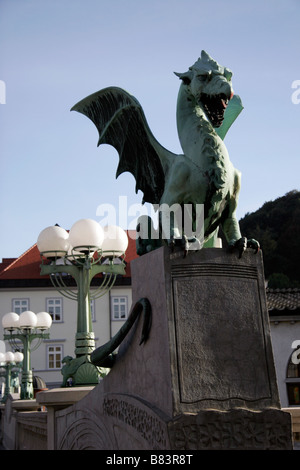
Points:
(276, 225)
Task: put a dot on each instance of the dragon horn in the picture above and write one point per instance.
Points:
(186, 77)
(207, 58)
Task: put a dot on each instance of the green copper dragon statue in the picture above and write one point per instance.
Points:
(203, 174)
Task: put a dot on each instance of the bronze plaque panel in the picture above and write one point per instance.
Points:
(219, 330)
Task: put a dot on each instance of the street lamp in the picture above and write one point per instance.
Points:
(87, 250)
(11, 363)
(26, 328)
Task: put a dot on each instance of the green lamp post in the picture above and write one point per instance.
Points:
(10, 362)
(26, 328)
(87, 250)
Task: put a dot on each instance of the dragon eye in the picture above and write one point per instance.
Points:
(205, 76)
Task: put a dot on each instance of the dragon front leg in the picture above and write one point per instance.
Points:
(170, 232)
(176, 227)
(232, 233)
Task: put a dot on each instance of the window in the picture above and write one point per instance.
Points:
(20, 305)
(119, 308)
(293, 370)
(54, 356)
(293, 379)
(293, 390)
(54, 308)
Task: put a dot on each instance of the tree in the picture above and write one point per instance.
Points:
(276, 225)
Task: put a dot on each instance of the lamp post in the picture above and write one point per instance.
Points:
(26, 328)
(87, 250)
(8, 362)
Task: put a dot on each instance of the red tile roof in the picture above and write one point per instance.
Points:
(27, 266)
(6, 262)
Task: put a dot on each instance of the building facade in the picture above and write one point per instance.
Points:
(284, 313)
(22, 288)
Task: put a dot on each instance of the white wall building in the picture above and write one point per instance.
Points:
(22, 288)
(284, 311)
(108, 314)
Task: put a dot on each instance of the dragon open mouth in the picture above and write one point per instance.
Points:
(214, 107)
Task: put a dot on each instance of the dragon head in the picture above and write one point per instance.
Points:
(210, 85)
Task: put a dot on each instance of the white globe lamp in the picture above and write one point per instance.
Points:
(86, 235)
(28, 320)
(9, 356)
(18, 357)
(115, 241)
(53, 241)
(44, 320)
(10, 321)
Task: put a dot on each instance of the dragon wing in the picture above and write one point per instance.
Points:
(121, 122)
(234, 108)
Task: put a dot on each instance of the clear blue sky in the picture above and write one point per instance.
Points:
(53, 53)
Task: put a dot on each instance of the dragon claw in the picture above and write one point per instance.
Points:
(242, 244)
(187, 244)
(251, 243)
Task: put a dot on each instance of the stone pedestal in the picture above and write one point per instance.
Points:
(205, 378)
